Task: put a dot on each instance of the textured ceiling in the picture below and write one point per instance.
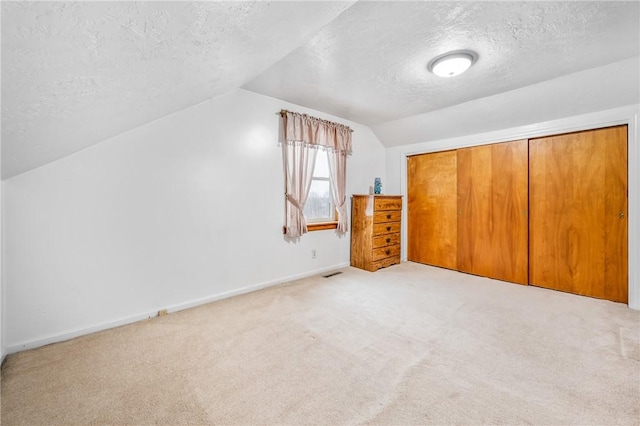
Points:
(369, 64)
(77, 73)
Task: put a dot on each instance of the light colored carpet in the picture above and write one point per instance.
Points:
(410, 344)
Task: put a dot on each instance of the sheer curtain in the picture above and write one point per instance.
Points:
(338, 179)
(301, 136)
(299, 162)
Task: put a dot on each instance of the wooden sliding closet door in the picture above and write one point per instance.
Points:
(431, 207)
(493, 211)
(578, 213)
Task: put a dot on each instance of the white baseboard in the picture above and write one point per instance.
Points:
(32, 344)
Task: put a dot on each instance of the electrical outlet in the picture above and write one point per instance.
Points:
(313, 253)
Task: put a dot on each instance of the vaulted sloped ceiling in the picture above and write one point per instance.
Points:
(77, 73)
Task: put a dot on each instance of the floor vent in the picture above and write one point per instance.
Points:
(332, 274)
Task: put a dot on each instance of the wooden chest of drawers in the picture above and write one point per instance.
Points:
(375, 231)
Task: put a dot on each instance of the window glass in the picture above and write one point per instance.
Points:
(319, 206)
(322, 165)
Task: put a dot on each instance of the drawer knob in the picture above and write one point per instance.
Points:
(388, 251)
(388, 228)
(388, 240)
(388, 216)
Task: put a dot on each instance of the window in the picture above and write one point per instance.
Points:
(301, 136)
(319, 210)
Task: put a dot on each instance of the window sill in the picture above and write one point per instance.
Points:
(321, 226)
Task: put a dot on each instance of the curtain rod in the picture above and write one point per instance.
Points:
(283, 112)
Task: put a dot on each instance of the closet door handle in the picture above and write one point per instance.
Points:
(621, 215)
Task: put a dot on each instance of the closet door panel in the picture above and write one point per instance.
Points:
(510, 211)
(616, 212)
(549, 219)
(492, 211)
(577, 190)
(431, 212)
(567, 214)
(475, 225)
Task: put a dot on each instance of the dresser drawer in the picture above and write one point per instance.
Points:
(386, 228)
(387, 216)
(395, 260)
(387, 204)
(382, 252)
(386, 240)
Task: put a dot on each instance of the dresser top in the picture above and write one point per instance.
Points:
(377, 195)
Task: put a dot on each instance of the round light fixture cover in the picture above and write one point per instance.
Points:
(453, 63)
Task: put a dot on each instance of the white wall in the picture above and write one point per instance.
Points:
(178, 212)
(2, 298)
(397, 167)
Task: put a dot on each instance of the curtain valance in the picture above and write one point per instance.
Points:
(296, 127)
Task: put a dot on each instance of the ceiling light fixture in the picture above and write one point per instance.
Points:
(453, 63)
